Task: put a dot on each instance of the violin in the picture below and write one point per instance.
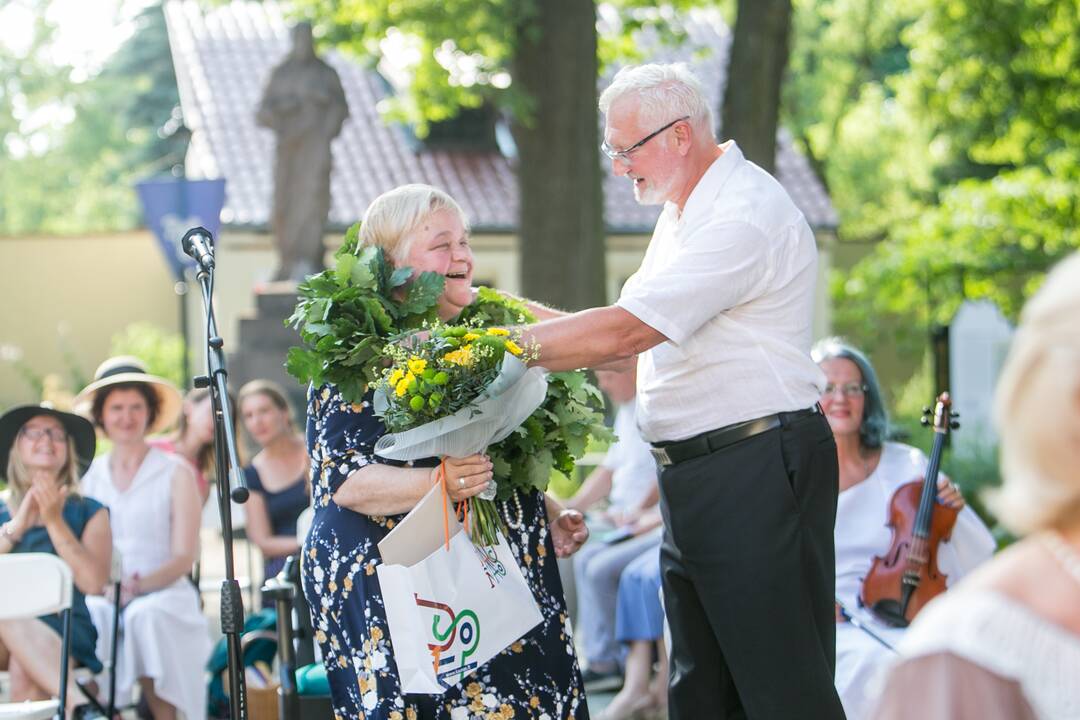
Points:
(907, 577)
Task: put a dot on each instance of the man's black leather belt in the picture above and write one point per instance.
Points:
(670, 453)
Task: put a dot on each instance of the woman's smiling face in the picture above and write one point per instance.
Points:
(441, 245)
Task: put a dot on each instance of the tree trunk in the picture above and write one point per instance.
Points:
(759, 53)
(561, 224)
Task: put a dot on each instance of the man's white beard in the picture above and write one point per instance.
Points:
(653, 194)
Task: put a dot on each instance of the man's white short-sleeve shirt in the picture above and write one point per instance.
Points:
(731, 284)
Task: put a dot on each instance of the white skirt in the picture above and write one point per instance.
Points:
(163, 636)
(861, 664)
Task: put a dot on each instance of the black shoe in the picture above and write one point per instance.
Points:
(86, 711)
(609, 681)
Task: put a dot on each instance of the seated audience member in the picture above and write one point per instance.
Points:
(194, 438)
(639, 625)
(154, 508)
(42, 452)
(627, 480)
(277, 475)
(1005, 643)
(871, 470)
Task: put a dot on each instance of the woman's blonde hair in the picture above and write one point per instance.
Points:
(392, 218)
(18, 475)
(1037, 410)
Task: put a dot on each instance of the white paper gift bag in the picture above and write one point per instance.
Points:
(449, 610)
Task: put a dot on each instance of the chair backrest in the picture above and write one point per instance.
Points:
(36, 584)
(303, 524)
(116, 570)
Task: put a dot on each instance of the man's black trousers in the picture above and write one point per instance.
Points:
(748, 575)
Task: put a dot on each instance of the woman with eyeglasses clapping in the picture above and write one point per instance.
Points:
(43, 452)
(871, 470)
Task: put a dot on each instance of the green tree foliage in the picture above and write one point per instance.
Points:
(74, 172)
(538, 62)
(949, 130)
(161, 351)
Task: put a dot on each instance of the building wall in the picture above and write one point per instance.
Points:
(73, 294)
(76, 293)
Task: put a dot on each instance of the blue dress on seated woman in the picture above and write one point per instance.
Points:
(536, 677)
(77, 513)
(284, 508)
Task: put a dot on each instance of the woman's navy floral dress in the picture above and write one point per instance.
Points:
(536, 677)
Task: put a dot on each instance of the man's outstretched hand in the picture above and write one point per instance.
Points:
(569, 532)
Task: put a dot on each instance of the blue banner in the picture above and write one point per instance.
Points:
(172, 206)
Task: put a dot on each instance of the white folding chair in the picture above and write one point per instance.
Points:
(40, 584)
(303, 524)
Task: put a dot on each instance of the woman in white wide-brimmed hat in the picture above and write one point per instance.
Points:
(155, 509)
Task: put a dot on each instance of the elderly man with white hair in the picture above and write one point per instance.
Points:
(719, 319)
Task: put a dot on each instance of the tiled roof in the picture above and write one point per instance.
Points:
(224, 54)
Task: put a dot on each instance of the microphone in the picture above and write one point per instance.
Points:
(198, 244)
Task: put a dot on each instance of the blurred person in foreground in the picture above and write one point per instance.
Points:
(43, 452)
(1005, 643)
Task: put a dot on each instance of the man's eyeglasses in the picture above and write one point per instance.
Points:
(34, 434)
(848, 390)
(624, 155)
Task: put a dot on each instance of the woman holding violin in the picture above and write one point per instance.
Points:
(872, 470)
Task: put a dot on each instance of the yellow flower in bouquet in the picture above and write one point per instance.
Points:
(434, 378)
(462, 356)
(442, 374)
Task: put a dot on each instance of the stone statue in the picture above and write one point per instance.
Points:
(304, 104)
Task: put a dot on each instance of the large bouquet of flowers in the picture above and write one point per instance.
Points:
(453, 394)
(351, 316)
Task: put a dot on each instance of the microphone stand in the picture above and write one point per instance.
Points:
(230, 486)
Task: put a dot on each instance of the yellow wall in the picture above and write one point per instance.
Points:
(76, 292)
(79, 292)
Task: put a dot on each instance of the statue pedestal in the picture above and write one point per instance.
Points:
(263, 342)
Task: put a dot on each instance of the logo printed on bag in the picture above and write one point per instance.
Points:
(462, 628)
(493, 567)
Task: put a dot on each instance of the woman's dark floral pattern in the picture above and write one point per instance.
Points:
(536, 677)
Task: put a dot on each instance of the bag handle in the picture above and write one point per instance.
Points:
(461, 508)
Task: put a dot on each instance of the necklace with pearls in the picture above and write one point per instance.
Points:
(513, 524)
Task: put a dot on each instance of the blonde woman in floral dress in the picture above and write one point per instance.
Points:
(359, 497)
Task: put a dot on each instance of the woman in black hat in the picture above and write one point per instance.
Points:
(42, 454)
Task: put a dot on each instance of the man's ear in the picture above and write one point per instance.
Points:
(684, 138)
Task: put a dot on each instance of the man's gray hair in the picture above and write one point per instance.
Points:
(663, 93)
